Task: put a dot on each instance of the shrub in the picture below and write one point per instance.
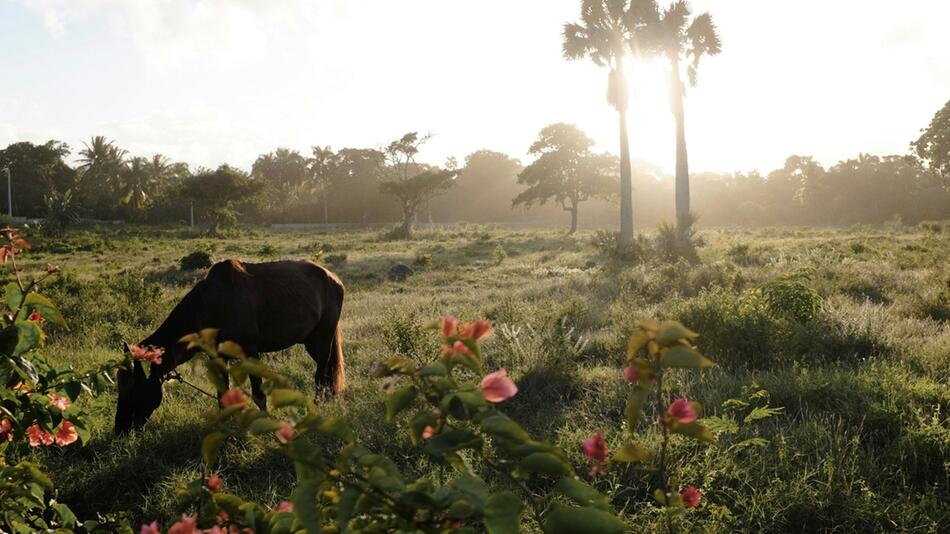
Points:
(335, 259)
(500, 254)
(742, 254)
(790, 297)
(423, 259)
(673, 242)
(197, 260)
(608, 244)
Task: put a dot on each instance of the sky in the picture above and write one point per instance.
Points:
(215, 81)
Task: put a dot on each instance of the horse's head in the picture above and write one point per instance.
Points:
(139, 396)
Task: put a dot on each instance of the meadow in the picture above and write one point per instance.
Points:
(834, 421)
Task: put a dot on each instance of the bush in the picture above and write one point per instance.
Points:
(608, 244)
(673, 242)
(791, 298)
(196, 260)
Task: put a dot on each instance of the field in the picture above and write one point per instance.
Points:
(861, 443)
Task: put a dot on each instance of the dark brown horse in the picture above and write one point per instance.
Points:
(263, 307)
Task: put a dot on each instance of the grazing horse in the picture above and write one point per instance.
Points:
(263, 307)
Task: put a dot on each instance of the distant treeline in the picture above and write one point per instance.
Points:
(343, 186)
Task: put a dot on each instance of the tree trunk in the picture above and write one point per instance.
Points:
(573, 210)
(326, 218)
(682, 162)
(626, 181)
(405, 231)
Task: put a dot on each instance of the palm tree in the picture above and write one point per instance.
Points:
(606, 31)
(100, 163)
(138, 180)
(682, 40)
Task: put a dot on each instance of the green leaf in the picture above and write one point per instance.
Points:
(281, 397)
(503, 513)
(13, 296)
(694, 430)
(418, 424)
(671, 332)
(501, 426)
(681, 357)
(41, 304)
(453, 440)
(210, 447)
(217, 374)
(67, 519)
(563, 520)
(73, 390)
(399, 400)
(263, 425)
(434, 369)
(762, 412)
(637, 341)
(305, 505)
(631, 452)
(29, 336)
(635, 400)
(545, 463)
(581, 492)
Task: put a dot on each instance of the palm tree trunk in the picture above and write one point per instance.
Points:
(682, 162)
(626, 183)
(573, 211)
(326, 219)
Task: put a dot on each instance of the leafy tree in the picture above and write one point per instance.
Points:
(323, 167)
(285, 174)
(35, 170)
(221, 195)
(411, 183)
(607, 30)
(565, 170)
(485, 186)
(139, 179)
(683, 41)
(933, 146)
(100, 168)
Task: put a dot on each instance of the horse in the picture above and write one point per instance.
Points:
(263, 307)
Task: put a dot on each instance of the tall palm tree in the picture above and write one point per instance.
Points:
(137, 180)
(100, 163)
(684, 41)
(608, 29)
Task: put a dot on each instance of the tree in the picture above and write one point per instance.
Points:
(140, 178)
(566, 171)
(682, 40)
(101, 163)
(285, 174)
(221, 195)
(607, 30)
(323, 167)
(485, 186)
(413, 184)
(933, 146)
(35, 171)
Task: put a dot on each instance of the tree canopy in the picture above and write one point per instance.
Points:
(933, 146)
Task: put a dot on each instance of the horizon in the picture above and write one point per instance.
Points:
(223, 82)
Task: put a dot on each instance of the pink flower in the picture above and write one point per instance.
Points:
(141, 353)
(215, 530)
(187, 525)
(285, 434)
(214, 482)
(60, 402)
(497, 387)
(38, 436)
(35, 316)
(691, 497)
(632, 374)
(449, 326)
(233, 397)
(284, 506)
(66, 434)
(476, 330)
(595, 447)
(151, 528)
(682, 411)
(6, 430)
(428, 432)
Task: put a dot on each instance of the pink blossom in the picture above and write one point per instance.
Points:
(60, 402)
(476, 330)
(449, 326)
(682, 411)
(284, 506)
(233, 397)
(428, 432)
(595, 447)
(187, 525)
(38, 436)
(691, 497)
(213, 482)
(6, 430)
(66, 434)
(497, 387)
(285, 434)
(151, 528)
(632, 374)
(35, 316)
(142, 353)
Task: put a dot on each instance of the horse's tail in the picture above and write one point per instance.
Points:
(337, 365)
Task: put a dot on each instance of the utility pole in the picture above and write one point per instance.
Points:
(9, 193)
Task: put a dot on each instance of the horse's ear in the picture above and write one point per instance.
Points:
(125, 348)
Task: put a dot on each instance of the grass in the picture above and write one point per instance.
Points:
(862, 442)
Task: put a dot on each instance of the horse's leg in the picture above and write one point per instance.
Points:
(320, 346)
(257, 393)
